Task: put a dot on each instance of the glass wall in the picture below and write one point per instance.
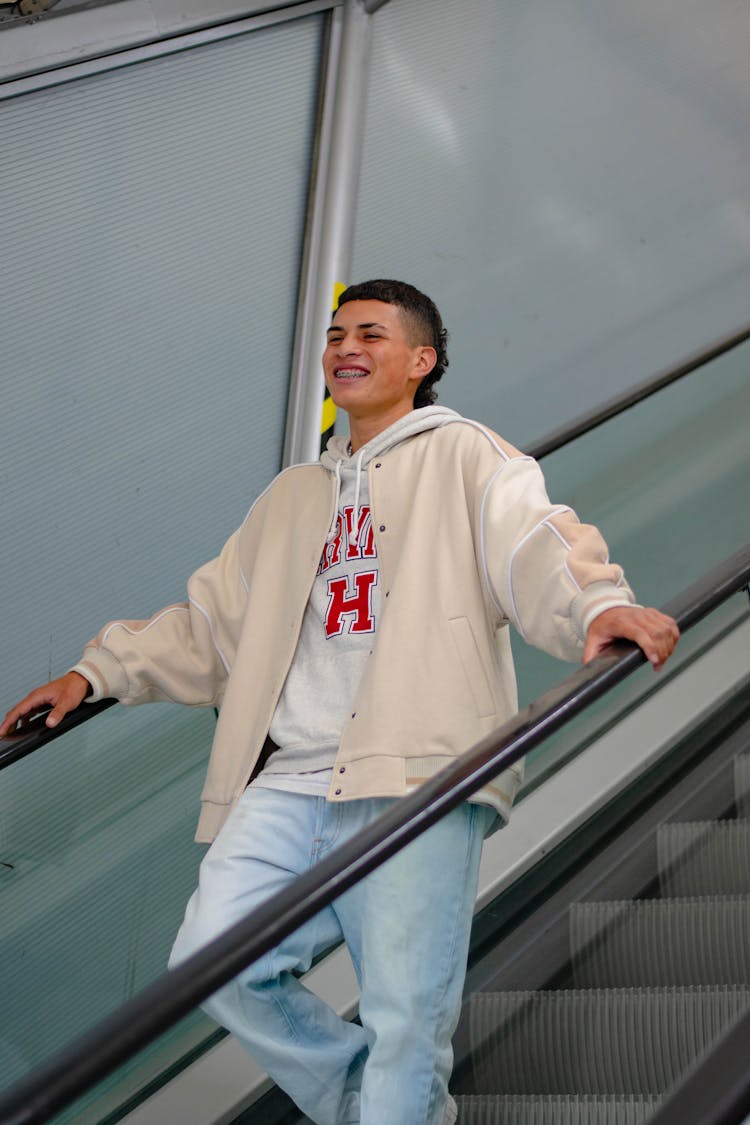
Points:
(533, 166)
(153, 225)
(667, 483)
(570, 181)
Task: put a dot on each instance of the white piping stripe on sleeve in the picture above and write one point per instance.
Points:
(554, 530)
(569, 573)
(566, 545)
(550, 527)
(159, 616)
(288, 469)
(516, 549)
(485, 569)
(225, 662)
(512, 595)
(487, 434)
(559, 509)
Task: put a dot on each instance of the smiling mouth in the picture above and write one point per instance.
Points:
(350, 373)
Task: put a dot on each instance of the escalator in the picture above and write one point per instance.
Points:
(598, 981)
(110, 832)
(621, 979)
(600, 974)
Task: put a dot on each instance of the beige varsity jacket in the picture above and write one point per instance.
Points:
(467, 542)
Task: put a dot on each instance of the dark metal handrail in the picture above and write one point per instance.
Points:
(36, 734)
(16, 746)
(584, 423)
(121, 1035)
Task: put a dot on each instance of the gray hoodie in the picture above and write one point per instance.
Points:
(341, 619)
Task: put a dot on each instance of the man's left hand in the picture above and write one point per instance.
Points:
(651, 630)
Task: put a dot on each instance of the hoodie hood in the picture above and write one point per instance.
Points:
(337, 458)
(416, 422)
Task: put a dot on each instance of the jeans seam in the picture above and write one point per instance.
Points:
(324, 1091)
(287, 1019)
(438, 1004)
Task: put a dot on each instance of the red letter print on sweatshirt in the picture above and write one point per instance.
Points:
(355, 605)
(350, 597)
(361, 546)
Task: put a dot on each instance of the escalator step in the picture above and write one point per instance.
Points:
(555, 1109)
(597, 1041)
(657, 942)
(704, 858)
(742, 784)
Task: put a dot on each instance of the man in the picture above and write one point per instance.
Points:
(354, 631)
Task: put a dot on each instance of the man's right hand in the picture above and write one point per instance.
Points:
(62, 695)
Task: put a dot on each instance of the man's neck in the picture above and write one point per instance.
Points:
(362, 430)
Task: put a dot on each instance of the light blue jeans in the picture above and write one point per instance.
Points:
(407, 928)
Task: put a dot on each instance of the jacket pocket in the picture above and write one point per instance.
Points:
(471, 662)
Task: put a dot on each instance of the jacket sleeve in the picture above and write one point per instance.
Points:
(184, 652)
(547, 573)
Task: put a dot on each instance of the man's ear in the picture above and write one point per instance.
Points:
(426, 360)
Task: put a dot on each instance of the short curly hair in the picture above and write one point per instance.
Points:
(422, 324)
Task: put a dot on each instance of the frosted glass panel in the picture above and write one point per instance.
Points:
(667, 482)
(151, 244)
(152, 230)
(570, 181)
(97, 865)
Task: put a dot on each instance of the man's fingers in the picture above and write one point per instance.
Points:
(657, 642)
(71, 691)
(62, 695)
(592, 647)
(659, 638)
(653, 632)
(33, 702)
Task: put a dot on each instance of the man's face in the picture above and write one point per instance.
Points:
(371, 369)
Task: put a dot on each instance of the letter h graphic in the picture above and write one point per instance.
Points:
(343, 602)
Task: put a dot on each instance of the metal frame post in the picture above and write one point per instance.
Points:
(328, 248)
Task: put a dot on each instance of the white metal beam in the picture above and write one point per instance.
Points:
(328, 251)
(46, 52)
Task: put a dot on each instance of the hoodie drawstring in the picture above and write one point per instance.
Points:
(356, 518)
(356, 514)
(335, 519)
(337, 452)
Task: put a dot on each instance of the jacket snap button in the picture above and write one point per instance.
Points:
(354, 714)
(342, 769)
(382, 527)
(378, 464)
(337, 793)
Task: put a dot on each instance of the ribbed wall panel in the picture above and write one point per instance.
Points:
(152, 234)
(660, 942)
(704, 858)
(562, 1109)
(45, 909)
(628, 1041)
(152, 230)
(98, 863)
(742, 784)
